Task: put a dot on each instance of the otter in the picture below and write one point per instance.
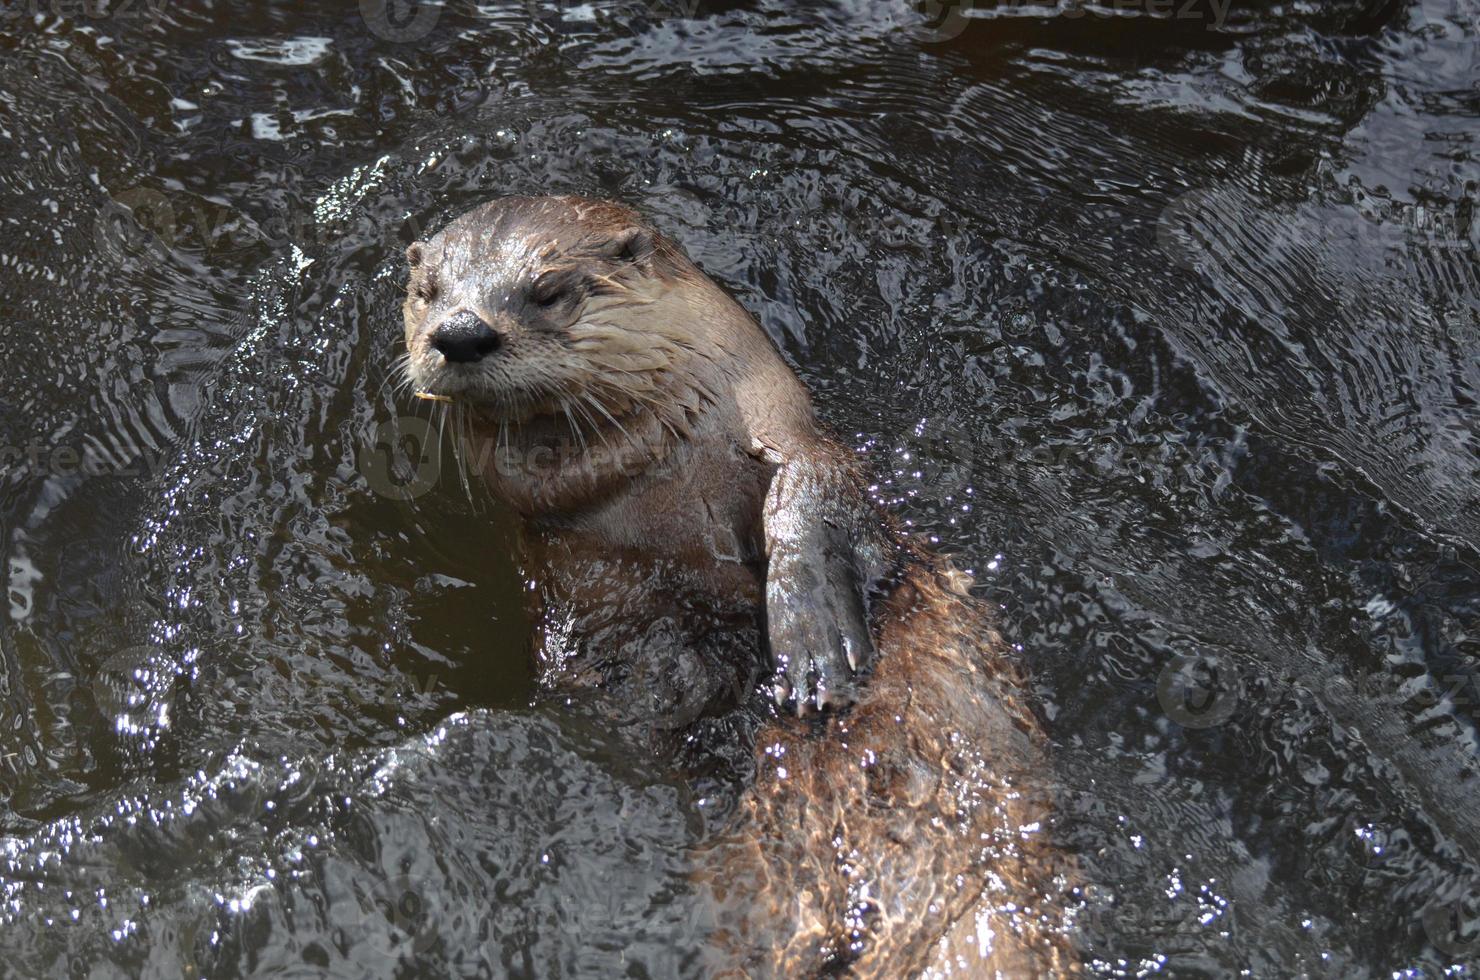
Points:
(693, 535)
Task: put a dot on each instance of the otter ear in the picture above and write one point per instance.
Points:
(415, 254)
(634, 245)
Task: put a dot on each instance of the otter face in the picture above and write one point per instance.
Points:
(525, 306)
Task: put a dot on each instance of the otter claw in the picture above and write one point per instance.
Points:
(825, 555)
(818, 630)
(816, 685)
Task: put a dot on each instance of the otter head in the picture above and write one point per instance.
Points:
(569, 316)
(525, 303)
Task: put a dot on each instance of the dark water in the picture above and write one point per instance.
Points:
(1167, 324)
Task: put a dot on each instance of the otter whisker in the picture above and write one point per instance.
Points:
(604, 431)
(657, 407)
(612, 419)
(645, 449)
(398, 377)
(596, 427)
(574, 426)
(417, 409)
(601, 431)
(522, 402)
(462, 431)
(441, 426)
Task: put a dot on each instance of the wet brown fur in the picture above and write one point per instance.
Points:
(901, 836)
(901, 840)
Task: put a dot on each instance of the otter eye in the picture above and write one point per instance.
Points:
(424, 289)
(550, 289)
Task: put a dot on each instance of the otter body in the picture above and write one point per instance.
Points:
(694, 536)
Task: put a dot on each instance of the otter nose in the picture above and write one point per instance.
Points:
(464, 338)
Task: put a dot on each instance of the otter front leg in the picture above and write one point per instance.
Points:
(826, 552)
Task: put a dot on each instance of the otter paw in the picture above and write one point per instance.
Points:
(819, 636)
(826, 556)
